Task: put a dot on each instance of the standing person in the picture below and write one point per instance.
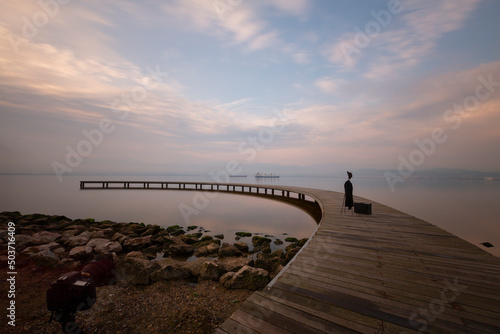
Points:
(349, 201)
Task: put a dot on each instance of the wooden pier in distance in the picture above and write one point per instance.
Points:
(388, 272)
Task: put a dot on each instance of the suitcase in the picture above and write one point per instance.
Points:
(363, 208)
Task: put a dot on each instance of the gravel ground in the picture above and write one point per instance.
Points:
(164, 307)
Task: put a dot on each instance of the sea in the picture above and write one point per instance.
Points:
(470, 209)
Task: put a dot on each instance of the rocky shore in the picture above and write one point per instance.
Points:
(149, 261)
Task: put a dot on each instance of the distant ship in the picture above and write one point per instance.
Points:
(267, 176)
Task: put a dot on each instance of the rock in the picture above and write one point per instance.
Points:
(59, 251)
(173, 228)
(219, 236)
(242, 246)
(151, 252)
(168, 273)
(96, 242)
(77, 228)
(108, 247)
(195, 267)
(246, 278)
(108, 233)
(36, 249)
(135, 271)
(210, 270)
(128, 230)
(45, 237)
(278, 242)
(150, 231)
(235, 263)
(188, 239)
(178, 247)
(157, 238)
(291, 252)
(227, 250)
(119, 237)
(169, 269)
(302, 242)
(44, 258)
(137, 254)
(268, 263)
(279, 253)
(66, 235)
(201, 251)
(97, 234)
(79, 240)
(213, 248)
(22, 241)
(137, 243)
(79, 252)
(177, 232)
(259, 241)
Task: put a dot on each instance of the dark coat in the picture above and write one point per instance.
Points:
(349, 201)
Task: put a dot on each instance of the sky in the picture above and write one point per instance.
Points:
(239, 86)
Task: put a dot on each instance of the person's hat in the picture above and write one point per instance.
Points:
(349, 174)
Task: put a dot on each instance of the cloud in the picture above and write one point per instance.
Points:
(403, 42)
(242, 23)
(388, 117)
(329, 85)
(302, 57)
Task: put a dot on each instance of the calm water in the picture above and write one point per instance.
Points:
(468, 209)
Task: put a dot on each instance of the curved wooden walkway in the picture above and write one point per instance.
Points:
(384, 273)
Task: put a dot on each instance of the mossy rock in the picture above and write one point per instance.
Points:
(301, 242)
(177, 232)
(206, 238)
(259, 241)
(194, 235)
(219, 236)
(192, 227)
(291, 239)
(266, 247)
(59, 218)
(278, 242)
(243, 234)
(173, 228)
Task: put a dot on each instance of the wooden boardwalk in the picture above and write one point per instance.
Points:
(384, 273)
(388, 272)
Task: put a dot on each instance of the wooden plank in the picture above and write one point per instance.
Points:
(328, 312)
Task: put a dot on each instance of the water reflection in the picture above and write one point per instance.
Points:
(221, 214)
